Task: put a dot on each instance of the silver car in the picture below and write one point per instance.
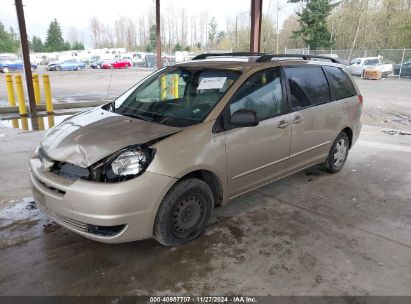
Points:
(190, 138)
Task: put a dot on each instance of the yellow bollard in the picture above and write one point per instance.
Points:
(40, 120)
(24, 123)
(175, 80)
(15, 123)
(50, 118)
(163, 87)
(47, 93)
(20, 95)
(36, 86)
(10, 90)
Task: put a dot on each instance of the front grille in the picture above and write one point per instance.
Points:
(70, 171)
(77, 225)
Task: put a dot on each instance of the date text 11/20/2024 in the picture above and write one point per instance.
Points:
(205, 299)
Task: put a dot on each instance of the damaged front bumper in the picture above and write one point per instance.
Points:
(106, 212)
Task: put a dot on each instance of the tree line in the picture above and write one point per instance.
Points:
(10, 43)
(318, 24)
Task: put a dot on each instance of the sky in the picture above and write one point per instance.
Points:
(77, 13)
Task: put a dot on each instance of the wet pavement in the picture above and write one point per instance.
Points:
(309, 234)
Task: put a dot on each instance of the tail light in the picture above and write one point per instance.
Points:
(360, 99)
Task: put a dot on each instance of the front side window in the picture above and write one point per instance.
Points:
(308, 86)
(340, 82)
(178, 96)
(261, 93)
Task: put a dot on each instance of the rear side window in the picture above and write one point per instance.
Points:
(340, 83)
(308, 86)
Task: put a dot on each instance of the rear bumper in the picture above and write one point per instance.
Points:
(81, 206)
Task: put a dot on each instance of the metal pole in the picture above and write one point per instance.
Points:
(256, 15)
(26, 60)
(158, 37)
(277, 30)
(236, 33)
(402, 61)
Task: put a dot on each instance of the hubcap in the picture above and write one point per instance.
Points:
(340, 152)
(187, 215)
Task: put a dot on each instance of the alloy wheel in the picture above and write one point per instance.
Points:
(340, 153)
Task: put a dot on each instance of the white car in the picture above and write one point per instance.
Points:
(358, 65)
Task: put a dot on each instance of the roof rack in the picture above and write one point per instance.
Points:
(269, 57)
(235, 54)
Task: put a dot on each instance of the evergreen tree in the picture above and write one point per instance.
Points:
(37, 45)
(178, 47)
(313, 23)
(8, 42)
(77, 46)
(66, 46)
(54, 40)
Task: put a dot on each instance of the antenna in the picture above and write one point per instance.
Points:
(109, 84)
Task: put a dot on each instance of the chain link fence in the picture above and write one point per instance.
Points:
(399, 57)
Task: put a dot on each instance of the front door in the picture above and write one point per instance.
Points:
(256, 155)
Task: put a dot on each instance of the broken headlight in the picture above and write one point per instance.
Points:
(123, 165)
(129, 163)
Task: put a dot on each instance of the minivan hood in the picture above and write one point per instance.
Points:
(88, 137)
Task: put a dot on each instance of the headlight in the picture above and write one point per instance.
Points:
(122, 165)
(129, 163)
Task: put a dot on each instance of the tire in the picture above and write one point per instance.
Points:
(5, 70)
(338, 153)
(184, 213)
(58, 68)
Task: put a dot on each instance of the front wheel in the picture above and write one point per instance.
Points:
(5, 70)
(338, 153)
(184, 213)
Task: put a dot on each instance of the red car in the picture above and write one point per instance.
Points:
(116, 64)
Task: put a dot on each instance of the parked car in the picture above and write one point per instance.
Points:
(405, 69)
(66, 65)
(97, 64)
(94, 59)
(116, 64)
(8, 65)
(358, 65)
(158, 160)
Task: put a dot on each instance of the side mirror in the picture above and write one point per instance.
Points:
(244, 118)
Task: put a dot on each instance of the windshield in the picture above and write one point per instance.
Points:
(177, 97)
(371, 62)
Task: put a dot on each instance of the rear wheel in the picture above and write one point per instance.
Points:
(338, 153)
(184, 213)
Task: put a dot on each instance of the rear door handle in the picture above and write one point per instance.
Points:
(283, 124)
(297, 119)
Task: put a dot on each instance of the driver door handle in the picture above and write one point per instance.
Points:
(283, 124)
(297, 119)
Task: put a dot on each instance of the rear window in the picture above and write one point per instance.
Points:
(308, 86)
(340, 83)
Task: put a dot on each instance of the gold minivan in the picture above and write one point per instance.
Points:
(190, 138)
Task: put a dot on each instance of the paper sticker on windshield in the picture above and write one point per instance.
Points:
(211, 83)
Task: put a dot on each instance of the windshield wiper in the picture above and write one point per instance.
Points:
(136, 115)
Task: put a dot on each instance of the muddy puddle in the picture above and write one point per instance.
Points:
(21, 222)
